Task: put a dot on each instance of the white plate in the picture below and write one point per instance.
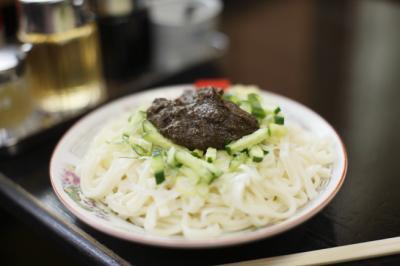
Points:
(74, 143)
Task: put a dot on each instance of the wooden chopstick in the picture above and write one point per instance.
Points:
(384, 247)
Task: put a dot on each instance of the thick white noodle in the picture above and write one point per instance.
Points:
(254, 196)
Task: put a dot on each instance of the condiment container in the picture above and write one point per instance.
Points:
(182, 30)
(124, 34)
(15, 98)
(64, 63)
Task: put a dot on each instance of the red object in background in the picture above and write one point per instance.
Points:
(218, 83)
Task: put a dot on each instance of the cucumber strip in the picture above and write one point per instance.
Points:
(189, 173)
(258, 112)
(206, 170)
(157, 139)
(148, 126)
(197, 153)
(277, 110)
(136, 120)
(137, 117)
(192, 162)
(139, 150)
(279, 120)
(246, 106)
(143, 144)
(277, 130)
(247, 141)
(151, 134)
(171, 156)
(265, 148)
(125, 137)
(256, 154)
(160, 177)
(157, 164)
(211, 155)
(208, 179)
(237, 160)
(171, 160)
(256, 108)
(231, 97)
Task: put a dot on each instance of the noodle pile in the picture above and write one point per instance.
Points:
(255, 195)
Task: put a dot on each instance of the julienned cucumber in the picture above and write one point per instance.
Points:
(140, 146)
(157, 164)
(171, 160)
(237, 160)
(137, 119)
(256, 108)
(146, 145)
(277, 130)
(256, 154)
(245, 142)
(151, 134)
(211, 155)
(197, 153)
(206, 171)
(245, 105)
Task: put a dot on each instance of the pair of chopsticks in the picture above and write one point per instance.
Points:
(366, 250)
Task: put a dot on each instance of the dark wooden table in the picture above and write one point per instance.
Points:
(342, 59)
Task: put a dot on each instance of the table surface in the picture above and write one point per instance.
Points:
(339, 58)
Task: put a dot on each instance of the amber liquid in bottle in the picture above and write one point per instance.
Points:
(64, 69)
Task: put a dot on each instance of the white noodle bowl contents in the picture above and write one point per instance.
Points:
(251, 196)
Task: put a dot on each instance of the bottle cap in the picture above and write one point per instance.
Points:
(51, 16)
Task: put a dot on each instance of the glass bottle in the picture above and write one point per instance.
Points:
(64, 64)
(124, 36)
(15, 99)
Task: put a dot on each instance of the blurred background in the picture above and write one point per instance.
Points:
(341, 58)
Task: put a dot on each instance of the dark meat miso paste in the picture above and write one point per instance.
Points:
(201, 119)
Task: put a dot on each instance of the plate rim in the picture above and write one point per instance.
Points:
(233, 239)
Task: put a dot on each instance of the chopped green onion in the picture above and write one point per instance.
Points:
(277, 110)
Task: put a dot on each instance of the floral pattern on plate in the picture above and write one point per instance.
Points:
(70, 182)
